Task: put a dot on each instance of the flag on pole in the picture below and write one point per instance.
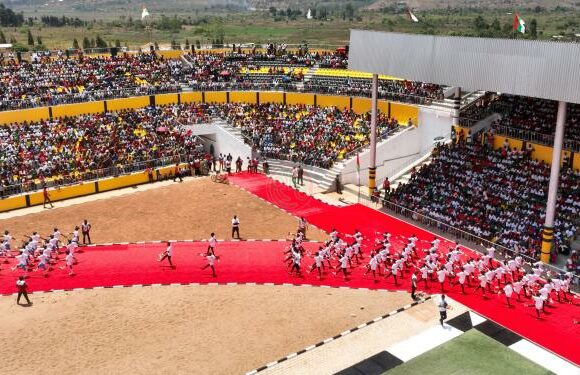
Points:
(144, 14)
(519, 24)
(412, 16)
(358, 169)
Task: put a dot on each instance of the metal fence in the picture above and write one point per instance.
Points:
(96, 174)
(531, 136)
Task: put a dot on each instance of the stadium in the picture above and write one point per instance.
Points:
(403, 204)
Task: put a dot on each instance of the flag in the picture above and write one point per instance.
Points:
(358, 169)
(412, 16)
(144, 14)
(519, 24)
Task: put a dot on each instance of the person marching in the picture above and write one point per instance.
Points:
(318, 259)
(211, 258)
(86, 230)
(22, 290)
(69, 261)
(236, 227)
(508, 290)
(167, 255)
(211, 244)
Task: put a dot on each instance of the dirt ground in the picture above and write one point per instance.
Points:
(177, 329)
(189, 210)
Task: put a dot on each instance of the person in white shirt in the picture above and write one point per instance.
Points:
(75, 235)
(518, 288)
(296, 260)
(413, 285)
(318, 263)
(211, 244)
(69, 262)
(443, 307)
(508, 291)
(302, 226)
(538, 303)
(461, 277)
(393, 272)
(42, 264)
(211, 258)
(236, 227)
(441, 274)
(167, 254)
(372, 266)
(342, 265)
(86, 230)
(22, 290)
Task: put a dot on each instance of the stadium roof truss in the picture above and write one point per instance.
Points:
(549, 70)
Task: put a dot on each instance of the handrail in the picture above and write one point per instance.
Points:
(432, 222)
(350, 154)
(532, 136)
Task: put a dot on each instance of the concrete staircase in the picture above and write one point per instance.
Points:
(281, 170)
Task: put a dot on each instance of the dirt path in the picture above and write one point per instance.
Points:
(177, 329)
(189, 210)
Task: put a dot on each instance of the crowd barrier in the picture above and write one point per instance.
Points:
(86, 188)
(540, 152)
(401, 112)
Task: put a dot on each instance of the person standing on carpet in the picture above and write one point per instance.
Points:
(167, 255)
(236, 227)
(302, 226)
(413, 285)
(443, 307)
(212, 244)
(86, 230)
(22, 290)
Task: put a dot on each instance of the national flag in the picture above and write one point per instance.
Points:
(519, 24)
(412, 16)
(144, 14)
(358, 169)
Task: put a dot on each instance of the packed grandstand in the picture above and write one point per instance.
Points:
(496, 194)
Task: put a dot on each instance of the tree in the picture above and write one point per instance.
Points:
(117, 43)
(86, 43)
(197, 44)
(38, 40)
(156, 46)
(480, 24)
(495, 25)
(534, 29)
(100, 42)
(349, 11)
(273, 11)
(30, 38)
(2, 38)
(187, 44)
(75, 44)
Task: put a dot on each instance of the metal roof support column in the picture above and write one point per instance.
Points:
(373, 135)
(548, 232)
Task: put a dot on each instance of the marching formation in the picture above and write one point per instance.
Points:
(438, 265)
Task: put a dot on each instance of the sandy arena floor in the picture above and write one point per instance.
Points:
(177, 329)
(189, 210)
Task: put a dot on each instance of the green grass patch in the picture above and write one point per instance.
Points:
(472, 353)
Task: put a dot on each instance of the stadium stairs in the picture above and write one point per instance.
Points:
(281, 170)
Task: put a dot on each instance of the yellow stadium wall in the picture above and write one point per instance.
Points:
(499, 140)
(191, 97)
(32, 114)
(293, 98)
(383, 106)
(171, 54)
(216, 97)
(243, 97)
(402, 113)
(123, 181)
(164, 99)
(12, 203)
(127, 103)
(342, 102)
(58, 194)
(541, 152)
(271, 97)
(361, 105)
(576, 161)
(77, 109)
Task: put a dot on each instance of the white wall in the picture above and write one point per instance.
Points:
(434, 123)
(224, 141)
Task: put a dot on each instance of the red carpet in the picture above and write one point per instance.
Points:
(556, 331)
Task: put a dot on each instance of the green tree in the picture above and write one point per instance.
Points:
(534, 29)
(349, 11)
(156, 46)
(2, 38)
(187, 44)
(100, 42)
(495, 26)
(480, 24)
(273, 11)
(38, 40)
(30, 38)
(117, 43)
(86, 43)
(75, 44)
(197, 44)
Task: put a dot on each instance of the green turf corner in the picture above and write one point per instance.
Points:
(472, 353)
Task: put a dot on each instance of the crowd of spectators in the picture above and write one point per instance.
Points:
(498, 195)
(50, 80)
(311, 135)
(57, 78)
(522, 115)
(67, 148)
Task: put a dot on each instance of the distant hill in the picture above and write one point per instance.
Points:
(483, 4)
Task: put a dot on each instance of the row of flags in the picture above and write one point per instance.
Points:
(519, 24)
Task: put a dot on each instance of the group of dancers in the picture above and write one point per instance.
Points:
(439, 264)
(209, 255)
(40, 254)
